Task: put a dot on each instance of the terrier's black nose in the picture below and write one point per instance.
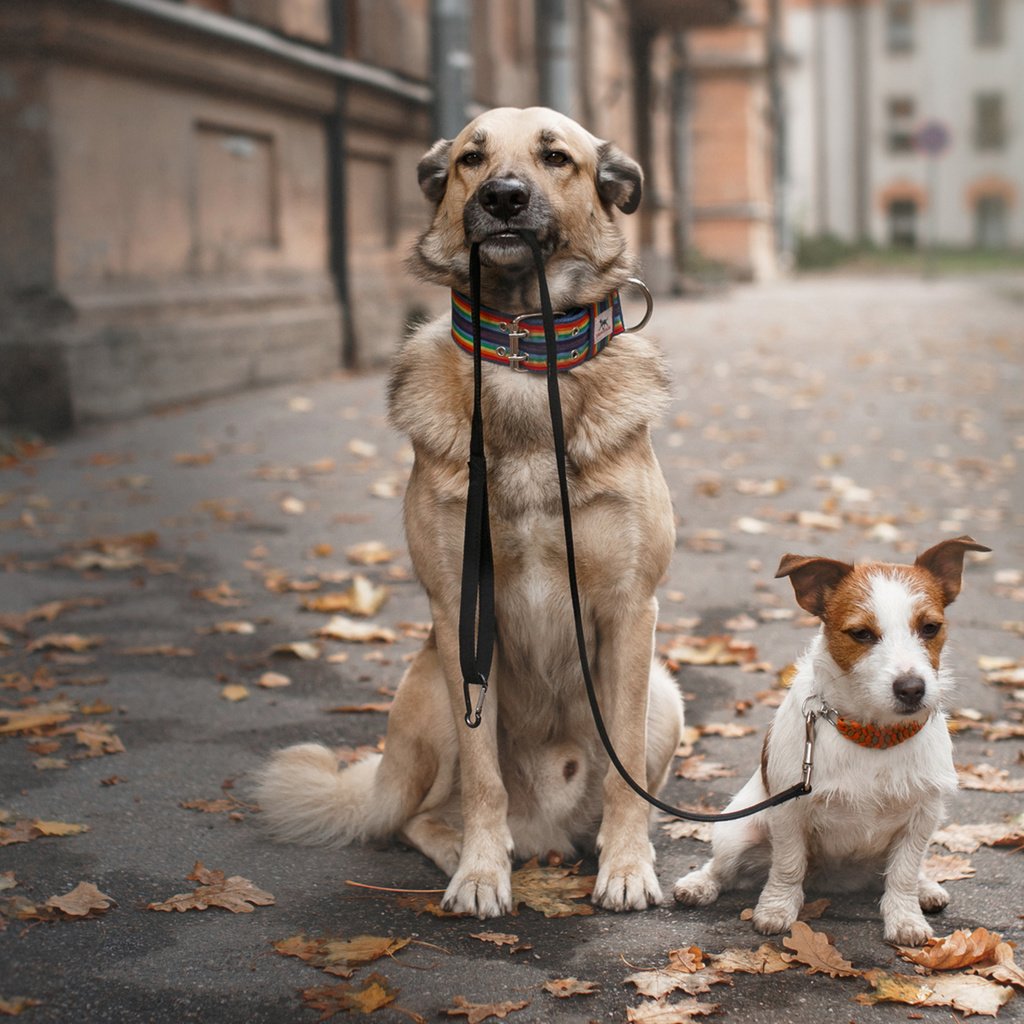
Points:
(503, 198)
(909, 690)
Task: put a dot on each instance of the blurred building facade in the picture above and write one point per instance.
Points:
(204, 195)
(904, 121)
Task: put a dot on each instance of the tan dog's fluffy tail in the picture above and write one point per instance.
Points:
(306, 798)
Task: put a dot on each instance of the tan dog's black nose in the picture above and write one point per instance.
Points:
(503, 198)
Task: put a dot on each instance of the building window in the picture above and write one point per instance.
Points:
(989, 22)
(899, 26)
(903, 223)
(900, 124)
(990, 228)
(989, 121)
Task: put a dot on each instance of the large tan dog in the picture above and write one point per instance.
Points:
(533, 779)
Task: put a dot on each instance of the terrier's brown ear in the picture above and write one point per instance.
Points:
(813, 579)
(945, 562)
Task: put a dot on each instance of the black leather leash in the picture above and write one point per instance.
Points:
(477, 625)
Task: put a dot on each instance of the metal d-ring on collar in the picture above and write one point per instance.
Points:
(516, 332)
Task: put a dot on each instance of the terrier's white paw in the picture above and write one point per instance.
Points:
(697, 889)
(777, 912)
(909, 930)
(931, 896)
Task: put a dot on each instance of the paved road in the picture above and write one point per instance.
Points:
(850, 417)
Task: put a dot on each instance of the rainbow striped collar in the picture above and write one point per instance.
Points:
(518, 341)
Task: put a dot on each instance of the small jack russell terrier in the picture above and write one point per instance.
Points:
(869, 692)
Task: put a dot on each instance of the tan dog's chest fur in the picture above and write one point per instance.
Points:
(533, 778)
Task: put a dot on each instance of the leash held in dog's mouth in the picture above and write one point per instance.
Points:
(477, 622)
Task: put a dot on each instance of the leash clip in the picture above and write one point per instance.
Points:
(808, 763)
(474, 715)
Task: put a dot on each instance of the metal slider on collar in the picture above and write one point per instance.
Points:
(516, 333)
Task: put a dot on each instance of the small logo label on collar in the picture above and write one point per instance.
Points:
(603, 324)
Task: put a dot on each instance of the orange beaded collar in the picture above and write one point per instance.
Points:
(877, 737)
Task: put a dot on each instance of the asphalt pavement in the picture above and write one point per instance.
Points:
(156, 644)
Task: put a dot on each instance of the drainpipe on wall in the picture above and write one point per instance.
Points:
(782, 238)
(336, 205)
(451, 65)
(555, 67)
(680, 86)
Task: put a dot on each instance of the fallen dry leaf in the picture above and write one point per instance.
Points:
(697, 769)
(222, 594)
(218, 806)
(552, 891)
(477, 1012)
(813, 910)
(98, 738)
(339, 957)
(350, 631)
(766, 959)
(302, 649)
(967, 993)
(161, 650)
(85, 900)
(370, 552)
(988, 778)
(39, 717)
(1004, 967)
(942, 868)
(65, 642)
(273, 680)
(964, 948)
(236, 894)
(727, 730)
(968, 838)
(662, 1012)
(815, 950)
(372, 993)
(363, 598)
(709, 650)
(239, 627)
(564, 988)
(685, 971)
(235, 692)
(11, 1006)
(58, 828)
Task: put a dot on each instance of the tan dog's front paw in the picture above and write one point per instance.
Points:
(481, 893)
(627, 886)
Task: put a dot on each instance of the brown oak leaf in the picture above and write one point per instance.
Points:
(337, 956)
(477, 1012)
(85, 900)
(964, 948)
(661, 1012)
(372, 993)
(942, 868)
(1004, 967)
(766, 959)
(564, 988)
(967, 993)
(236, 894)
(815, 950)
(552, 891)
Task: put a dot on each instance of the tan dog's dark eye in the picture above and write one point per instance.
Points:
(556, 158)
(471, 158)
(930, 630)
(862, 636)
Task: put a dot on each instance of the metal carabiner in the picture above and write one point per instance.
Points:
(474, 715)
(808, 763)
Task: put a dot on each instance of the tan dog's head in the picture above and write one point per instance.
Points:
(534, 169)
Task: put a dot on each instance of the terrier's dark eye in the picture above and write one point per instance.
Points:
(862, 636)
(556, 158)
(930, 630)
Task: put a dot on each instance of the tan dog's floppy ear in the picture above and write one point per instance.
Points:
(812, 578)
(619, 178)
(945, 562)
(432, 170)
